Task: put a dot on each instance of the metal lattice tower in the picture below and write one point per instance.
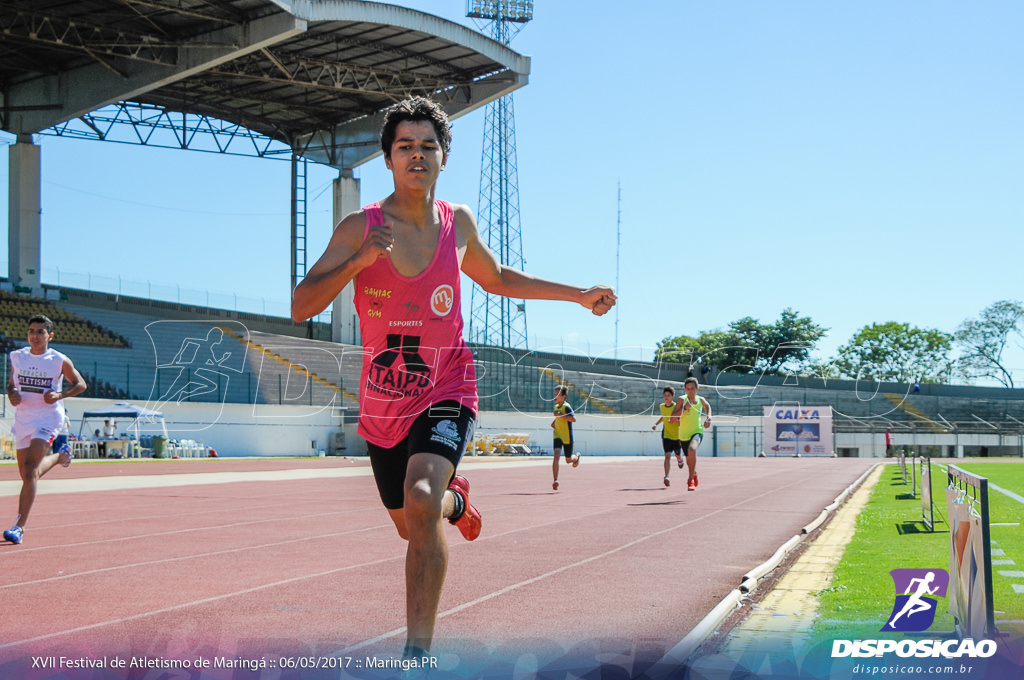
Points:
(495, 320)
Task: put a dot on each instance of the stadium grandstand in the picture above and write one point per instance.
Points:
(156, 352)
(114, 82)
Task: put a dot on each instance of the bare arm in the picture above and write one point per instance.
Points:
(707, 410)
(480, 264)
(13, 395)
(347, 254)
(77, 384)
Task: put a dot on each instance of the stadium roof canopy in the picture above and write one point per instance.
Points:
(312, 75)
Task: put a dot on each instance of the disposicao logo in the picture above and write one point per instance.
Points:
(917, 597)
(917, 593)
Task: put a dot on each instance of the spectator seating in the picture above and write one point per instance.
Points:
(68, 328)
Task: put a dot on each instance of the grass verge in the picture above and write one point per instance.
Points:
(890, 534)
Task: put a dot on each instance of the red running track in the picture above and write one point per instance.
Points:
(293, 563)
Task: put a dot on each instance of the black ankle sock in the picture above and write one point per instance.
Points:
(460, 507)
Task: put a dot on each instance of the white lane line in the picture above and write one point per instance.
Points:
(265, 586)
(1006, 492)
(174, 532)
(130, 482)
(329, 572)
(182, 558)
(536, 579)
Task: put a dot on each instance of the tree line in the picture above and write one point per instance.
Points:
(890, 351)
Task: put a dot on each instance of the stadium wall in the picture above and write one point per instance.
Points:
(613, 435)
(273, 430)
(233, 429)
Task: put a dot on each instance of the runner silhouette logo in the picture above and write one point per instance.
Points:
(917, 593)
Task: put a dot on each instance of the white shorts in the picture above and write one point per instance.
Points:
(24, 433)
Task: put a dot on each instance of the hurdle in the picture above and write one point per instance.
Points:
(927, 503)
(970, 554)
(913, 475)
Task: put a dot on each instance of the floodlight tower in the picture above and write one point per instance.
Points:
(496, 320)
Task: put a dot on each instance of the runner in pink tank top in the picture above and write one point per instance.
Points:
(418, 390)
(412, 334)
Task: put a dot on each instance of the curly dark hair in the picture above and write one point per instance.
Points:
(40, 318)
(415, 110)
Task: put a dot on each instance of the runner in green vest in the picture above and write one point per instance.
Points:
(562, 424)
(670, 431)
(694, 417)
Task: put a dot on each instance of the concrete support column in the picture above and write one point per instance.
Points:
(344, 322)
(23, 219)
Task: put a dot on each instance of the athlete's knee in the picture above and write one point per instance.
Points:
(29, 471)
(420, 501)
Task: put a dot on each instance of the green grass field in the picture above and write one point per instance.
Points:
(1006, 517)
(890, 534)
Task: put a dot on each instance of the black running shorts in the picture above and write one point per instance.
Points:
(444, 429)
(696, 439)
(670, 445)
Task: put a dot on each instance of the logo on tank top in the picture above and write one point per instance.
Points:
(442, 300)
(30, 383)
(400, 370)
(36, 379)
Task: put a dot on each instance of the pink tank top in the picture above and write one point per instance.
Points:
(414, 355)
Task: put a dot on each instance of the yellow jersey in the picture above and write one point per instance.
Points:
(671, 430)
(563, 428)
(691, 420)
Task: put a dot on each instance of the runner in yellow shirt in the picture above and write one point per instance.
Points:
(670, 431)
(694, 417)
(562, 424)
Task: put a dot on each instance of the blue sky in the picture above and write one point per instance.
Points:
(858, 162)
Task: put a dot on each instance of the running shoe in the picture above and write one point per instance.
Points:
(667, 483)
(695, 482)
(679, 459)
(691, 485)
(65, 450)
(576, 460)
(14, 534)
(554, 485)
(469, 522)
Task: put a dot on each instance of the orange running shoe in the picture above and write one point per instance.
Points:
(470, 521)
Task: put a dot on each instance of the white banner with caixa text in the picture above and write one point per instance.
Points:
(798, 430)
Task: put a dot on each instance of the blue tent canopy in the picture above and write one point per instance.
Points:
(125, 411)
